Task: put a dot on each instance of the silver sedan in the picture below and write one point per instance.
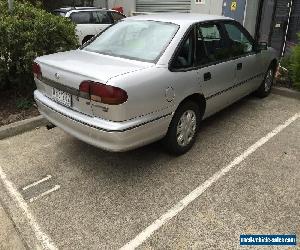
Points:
(152, 77)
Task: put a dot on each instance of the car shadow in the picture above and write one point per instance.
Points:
(138, 161)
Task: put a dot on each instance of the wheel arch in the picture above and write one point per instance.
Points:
(197, 98)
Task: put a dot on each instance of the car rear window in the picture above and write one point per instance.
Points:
(138, 40)
(59, 13)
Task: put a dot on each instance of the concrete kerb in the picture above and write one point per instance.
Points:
(286, 92)
(22, 126)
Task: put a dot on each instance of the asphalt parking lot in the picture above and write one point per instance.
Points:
(92, 199)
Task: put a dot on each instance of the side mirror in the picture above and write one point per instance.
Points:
(262, 46)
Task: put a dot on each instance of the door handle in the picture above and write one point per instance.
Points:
(239, 66)
(207, 76)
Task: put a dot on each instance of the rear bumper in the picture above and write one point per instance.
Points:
(108, 135)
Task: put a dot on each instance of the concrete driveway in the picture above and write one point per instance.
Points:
(61, 192)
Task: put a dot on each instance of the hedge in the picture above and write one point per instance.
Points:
(295, 65)
(25, 34)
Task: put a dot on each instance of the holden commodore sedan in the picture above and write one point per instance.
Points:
(152, 77)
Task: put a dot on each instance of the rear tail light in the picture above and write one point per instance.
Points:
(37, 72)
(103, 93)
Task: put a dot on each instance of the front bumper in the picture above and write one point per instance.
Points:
(108, 135)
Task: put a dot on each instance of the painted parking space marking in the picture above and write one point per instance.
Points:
(146, 233)
(21, 204)
(45, 193)
(37, 182)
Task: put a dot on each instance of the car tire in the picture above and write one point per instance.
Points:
(266, 86)
(183, 128)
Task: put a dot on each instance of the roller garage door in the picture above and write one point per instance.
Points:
(163, 5)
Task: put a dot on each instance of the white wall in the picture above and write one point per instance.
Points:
(213, 7)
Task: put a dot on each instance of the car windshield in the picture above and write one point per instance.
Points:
(138, 40)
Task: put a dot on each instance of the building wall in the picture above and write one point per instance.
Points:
(100, 3)
(266, 21)
(294, 26)
(55, 4)
(128, 5)
(251, 15)
(213, 7)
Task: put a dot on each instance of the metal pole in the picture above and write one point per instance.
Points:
(10, 5)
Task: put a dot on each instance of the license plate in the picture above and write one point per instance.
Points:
(62, 97)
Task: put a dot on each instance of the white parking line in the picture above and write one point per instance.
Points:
(43, 239)
(146, 233)
(45, 193)
(37, 182)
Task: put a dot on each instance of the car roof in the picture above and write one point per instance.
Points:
(179, 18)
(67, 9)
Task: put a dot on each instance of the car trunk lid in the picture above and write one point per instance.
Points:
(67, 70)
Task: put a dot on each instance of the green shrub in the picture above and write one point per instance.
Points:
(295, 65)
(24, 103)
(25, 34)
(286, 61)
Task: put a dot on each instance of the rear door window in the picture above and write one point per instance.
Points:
(83, 17)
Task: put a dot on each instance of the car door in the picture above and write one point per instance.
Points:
(100, 20)
(182, 74)
(216, 70)
(84, 28)
(249, 68)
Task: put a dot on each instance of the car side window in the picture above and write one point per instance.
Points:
(116, 16)
(185, 55)
(83, 17)
(210, 35)
(202, 57)
(100, 17)
(238, 41)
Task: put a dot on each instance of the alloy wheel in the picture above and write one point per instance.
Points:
(186, 128)
(269, 80)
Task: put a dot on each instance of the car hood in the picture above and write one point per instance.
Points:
(90, 65)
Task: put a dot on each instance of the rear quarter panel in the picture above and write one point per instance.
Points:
(154, 90)
(146, 94)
